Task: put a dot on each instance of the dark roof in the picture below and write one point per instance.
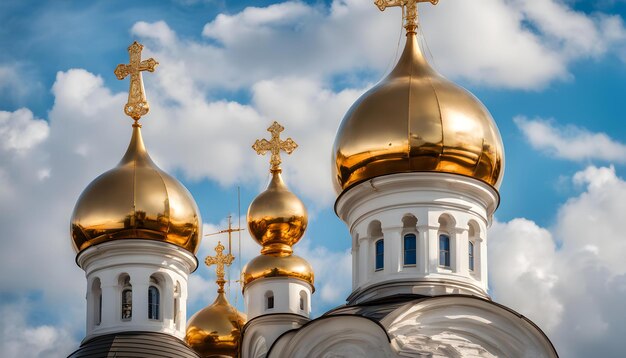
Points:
(134, 344)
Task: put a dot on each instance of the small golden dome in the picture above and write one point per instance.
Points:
(136, 200)
(264, 266)
(416, 121)
(277, 219)
(215, 331)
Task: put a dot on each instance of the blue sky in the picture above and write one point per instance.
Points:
(552, 73)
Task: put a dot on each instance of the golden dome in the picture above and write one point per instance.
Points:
(136, 200)
(277, 219)
(417, 121)
(215, 331)
(277, 266)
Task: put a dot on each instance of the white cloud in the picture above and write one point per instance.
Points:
(20, 130)
(19, 339)
(492, 44)
(571, 278)
(570, 142)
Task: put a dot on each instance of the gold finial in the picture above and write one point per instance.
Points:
(219, 260)
(274, 146)
(137, 105)
(409, 10)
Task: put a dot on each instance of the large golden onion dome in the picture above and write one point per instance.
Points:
(136, 200)
(215, 331)
(415, 120)
(277, 220)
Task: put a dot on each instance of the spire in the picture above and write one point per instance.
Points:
(137, 105)
(409, 10)
(274, 146)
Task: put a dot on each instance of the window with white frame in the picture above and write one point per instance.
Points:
(444, 250)
(380, 254)
(410, 250)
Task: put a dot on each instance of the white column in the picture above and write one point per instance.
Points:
(111, 300)
(365, 269)
(423, 246)
(393, 248)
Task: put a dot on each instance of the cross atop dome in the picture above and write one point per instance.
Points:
(220, 260)
(274, 146)
(137, 105)
(409, 10)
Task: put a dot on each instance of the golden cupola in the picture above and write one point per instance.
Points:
(136, 199)
(415, 120)
(277, 220)
(215, 331)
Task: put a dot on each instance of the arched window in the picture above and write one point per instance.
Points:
(303, 305)
(410, 249)
(269, 300)
(153, 302)
(96, 294)
(127, 298)
(176, 303)
(444, 250)
(380, 254)
(471, 256)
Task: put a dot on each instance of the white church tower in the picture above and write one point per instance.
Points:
(417, 164)
(135, 230)
(277, 285)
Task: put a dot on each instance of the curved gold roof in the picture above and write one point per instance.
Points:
(215, 331)
(277, 218)
(136, 200)
(264, 266)
(416, 121)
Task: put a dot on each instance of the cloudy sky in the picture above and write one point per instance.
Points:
(552, 72)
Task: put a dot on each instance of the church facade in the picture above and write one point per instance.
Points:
(417, 163)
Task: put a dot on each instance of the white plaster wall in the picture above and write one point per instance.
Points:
(427, 197)
(140, 260)
(286, 292)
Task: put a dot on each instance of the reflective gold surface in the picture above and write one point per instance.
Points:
(275, 145)
(137, 104)
(136, 200)
(277, 219)
(277, 266)
(219, 260)
(415, 120)
(216, 330)
(409, 10)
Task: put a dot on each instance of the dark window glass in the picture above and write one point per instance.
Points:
(410, 249)
(153, 302)
(127, 304)
(444, 250)
(99, 318)
(270, 302)
(471, 256)
(380, 254)
(302, 303)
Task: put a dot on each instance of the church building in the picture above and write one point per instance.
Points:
(417, 163)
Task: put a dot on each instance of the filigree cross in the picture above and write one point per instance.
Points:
(219, 260)
(409, 10)
(274, 146)
(137, 104)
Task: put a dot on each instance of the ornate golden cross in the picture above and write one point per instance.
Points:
(137, 104)
(219, 260)
(274, 146)
(409, 10)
